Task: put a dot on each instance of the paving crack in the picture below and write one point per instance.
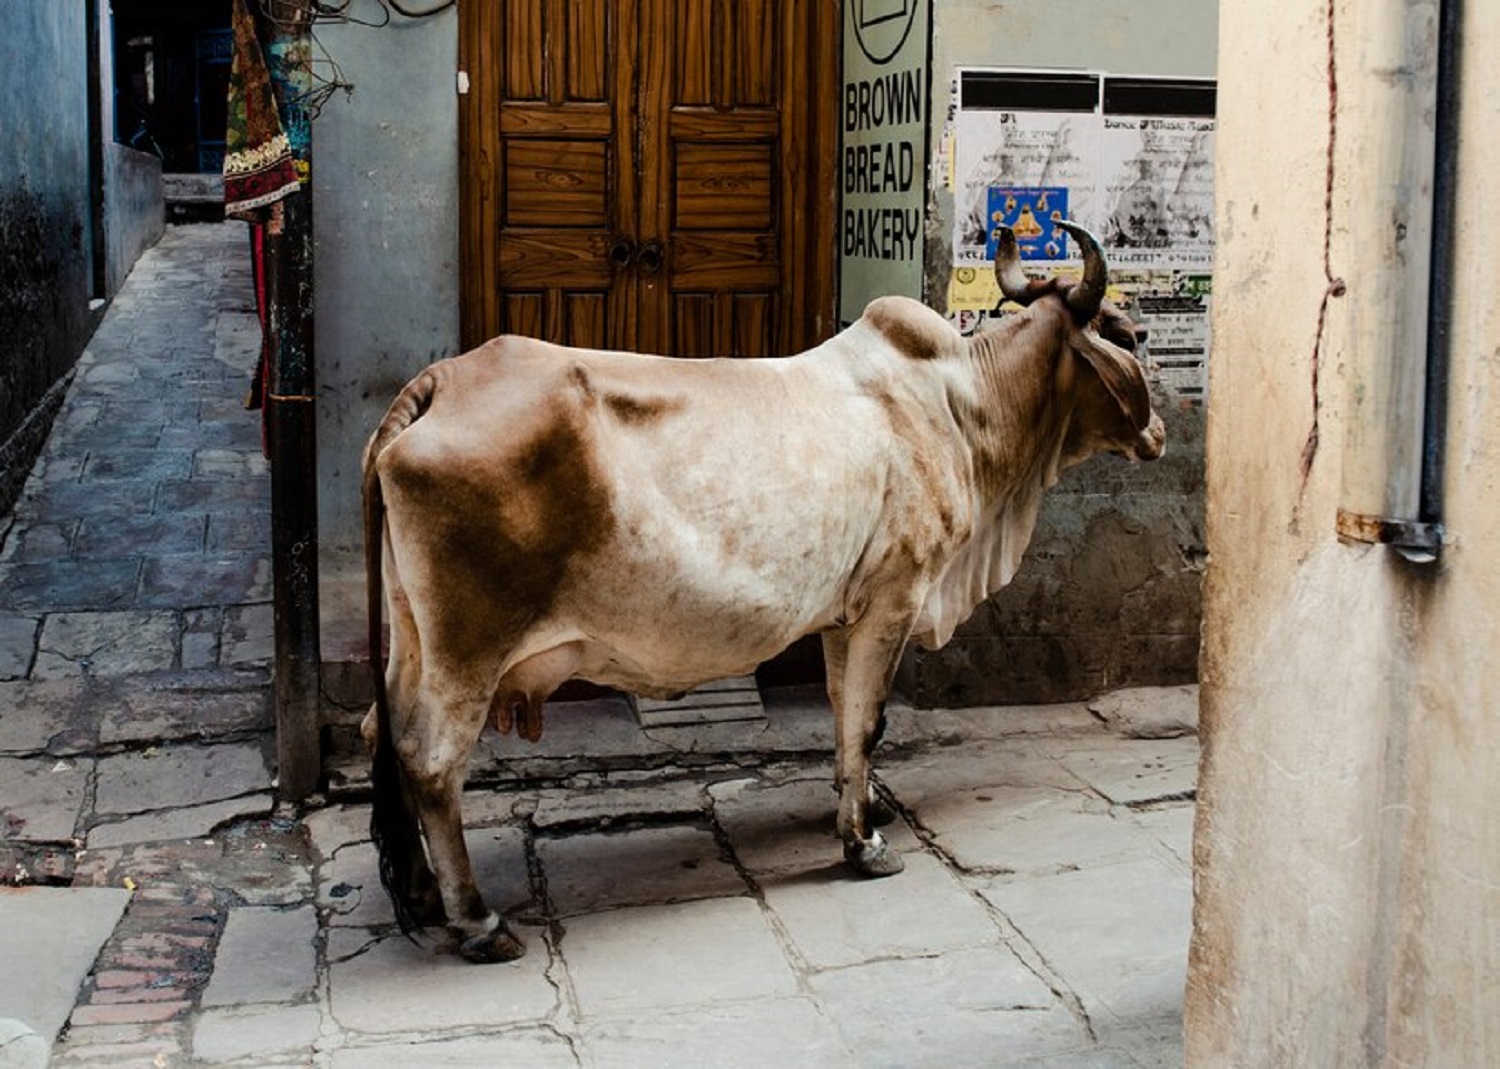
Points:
(1011, 936)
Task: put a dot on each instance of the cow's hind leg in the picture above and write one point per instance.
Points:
(434, 755)
(869, 665)
(398, 837)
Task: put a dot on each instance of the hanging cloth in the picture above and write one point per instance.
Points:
(258, 166)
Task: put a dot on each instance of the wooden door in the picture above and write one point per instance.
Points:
(655, 175)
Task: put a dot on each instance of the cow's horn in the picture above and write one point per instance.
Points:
(1085, 296)
(1013, 281)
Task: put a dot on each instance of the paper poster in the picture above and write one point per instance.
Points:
(1171, 312)
(1032, 213)
(1008, 150)
(1159, 191)
(1129, 158)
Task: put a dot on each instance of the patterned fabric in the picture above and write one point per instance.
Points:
(258, 165)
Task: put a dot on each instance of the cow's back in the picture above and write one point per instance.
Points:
(686, 518)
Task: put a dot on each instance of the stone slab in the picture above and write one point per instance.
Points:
(161, 714)
(335, 826)
(604, 806)
(62, 585)
(49, 938)
(590, 872)
(1028, 829)
(43, 797)
(349, 888)
(1118, 934)
(259, 1032)
(1015, 762)
(21, 1047)
(190, 822)
(936, 727)
(649, 958)
(1170, 825)
(1133, 772)
(965, 1009)
(1150, 712)
(186, 709)
(501, 873)
(835, 918)
(264, 955)
(786, 828)
(106, 644)
(177, 776)
(34, 712)
(736, 1035)
(383, 985)
(530, 1048)
(249, 635)
(18, 636)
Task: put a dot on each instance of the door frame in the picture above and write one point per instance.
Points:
(811, 313)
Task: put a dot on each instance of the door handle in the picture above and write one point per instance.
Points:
(621, 251)
(650, 257)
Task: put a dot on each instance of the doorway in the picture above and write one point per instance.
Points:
(650, 175)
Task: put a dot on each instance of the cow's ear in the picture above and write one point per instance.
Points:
(1121, 374)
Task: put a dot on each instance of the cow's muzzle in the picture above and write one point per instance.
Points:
(1151, 442)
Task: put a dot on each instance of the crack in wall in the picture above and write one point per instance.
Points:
(1333, 285)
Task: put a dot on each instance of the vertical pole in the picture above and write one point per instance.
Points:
(291, 419)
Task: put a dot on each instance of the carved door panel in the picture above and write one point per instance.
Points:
(650, 174)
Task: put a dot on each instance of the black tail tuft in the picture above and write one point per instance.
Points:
(394, 830)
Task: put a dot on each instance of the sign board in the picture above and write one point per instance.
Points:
(883, 187)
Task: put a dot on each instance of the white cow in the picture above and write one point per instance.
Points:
(537, 513)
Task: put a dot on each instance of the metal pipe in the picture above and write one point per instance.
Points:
(1388, 110)
(1443, 282)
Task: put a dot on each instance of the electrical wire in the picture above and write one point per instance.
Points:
(294, 15)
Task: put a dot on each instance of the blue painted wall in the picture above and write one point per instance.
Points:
(44, 218)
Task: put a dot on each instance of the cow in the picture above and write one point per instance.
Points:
(536, 513)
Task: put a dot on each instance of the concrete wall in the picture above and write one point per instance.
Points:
(44, 221)
(385, 217)
(1348, 840)
(134, 210)
(1108, 595)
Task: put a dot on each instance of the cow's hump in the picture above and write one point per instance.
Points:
(912, 328)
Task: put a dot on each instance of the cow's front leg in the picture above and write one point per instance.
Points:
(870, 664)
(835, 661)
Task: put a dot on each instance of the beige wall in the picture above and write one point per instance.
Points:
(1348, 840)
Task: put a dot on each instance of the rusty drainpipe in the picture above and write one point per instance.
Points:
(291, 420)
(1395, 448)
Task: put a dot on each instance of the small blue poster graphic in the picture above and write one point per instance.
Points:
(1032, 212)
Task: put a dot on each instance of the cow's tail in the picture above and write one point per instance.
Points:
(393, 824)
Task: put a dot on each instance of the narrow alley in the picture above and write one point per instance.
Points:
(680, 890)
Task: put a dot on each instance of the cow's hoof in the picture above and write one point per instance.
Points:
(873, 857)
(492, 947)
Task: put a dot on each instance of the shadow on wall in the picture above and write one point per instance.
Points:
(41, 331)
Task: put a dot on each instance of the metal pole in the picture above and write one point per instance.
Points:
(291, 418)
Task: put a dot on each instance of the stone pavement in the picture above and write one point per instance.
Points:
(680, 890)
